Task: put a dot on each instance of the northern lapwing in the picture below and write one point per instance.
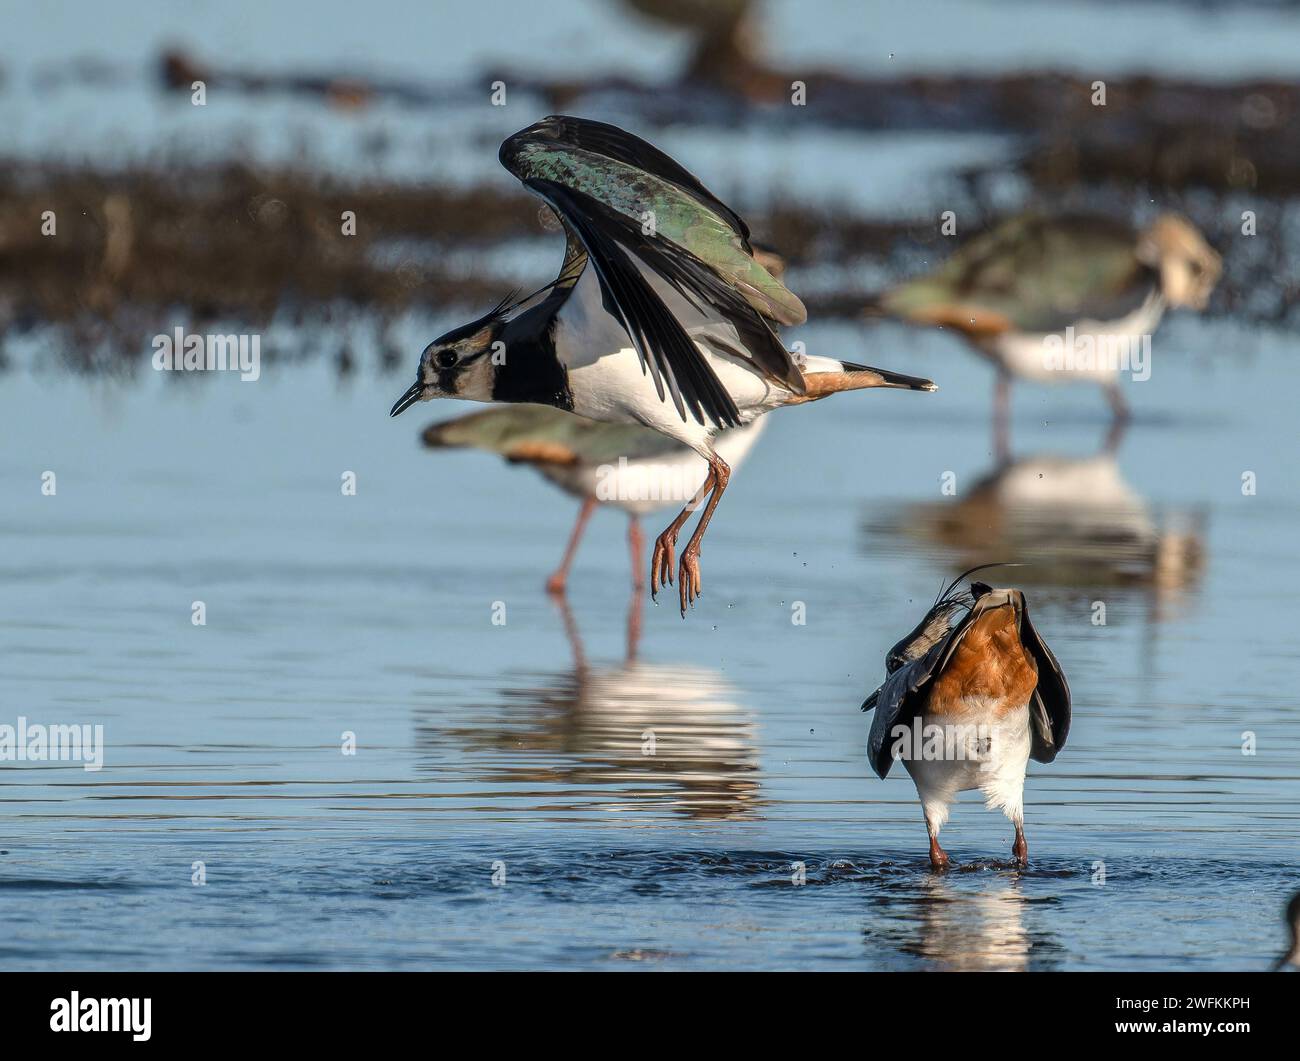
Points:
(625, 466)
(972, 694)
(1014, 291)
(660, 316)
(1292, 955)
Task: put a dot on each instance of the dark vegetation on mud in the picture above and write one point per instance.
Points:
(139, 244)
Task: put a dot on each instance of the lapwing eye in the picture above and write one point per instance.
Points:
(446, 358)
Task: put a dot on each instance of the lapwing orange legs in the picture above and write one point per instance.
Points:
(636, 544)
(938, 856)
(690, 561)
(661, 561)
(555, 584)
(1020, 848)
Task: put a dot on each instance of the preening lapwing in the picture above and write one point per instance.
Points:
(1015, 290)
(661, 316)
(625, 466)
(972, 694)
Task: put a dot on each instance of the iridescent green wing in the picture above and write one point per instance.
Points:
(636, 212)
(638, 180)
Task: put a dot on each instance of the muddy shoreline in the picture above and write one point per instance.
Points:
(136, 244)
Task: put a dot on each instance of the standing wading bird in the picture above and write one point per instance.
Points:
(1013, 293)
(661, 316)
(969, 700)
(622, 465)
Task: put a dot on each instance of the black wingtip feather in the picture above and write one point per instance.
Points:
(665, 349)
(601, 138)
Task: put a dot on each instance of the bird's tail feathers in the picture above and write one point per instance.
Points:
(824, 375)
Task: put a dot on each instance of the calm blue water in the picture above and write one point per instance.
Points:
(515, 750)
(521, 744)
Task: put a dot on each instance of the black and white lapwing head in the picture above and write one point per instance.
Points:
(461, 363)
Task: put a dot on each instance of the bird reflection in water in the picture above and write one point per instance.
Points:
(1072, 521)
(620, 737)
(960, 930)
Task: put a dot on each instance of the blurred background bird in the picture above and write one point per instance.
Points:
(622, 465)
(1034, 276)
(973, 693)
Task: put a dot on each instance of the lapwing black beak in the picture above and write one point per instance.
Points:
(408, 399)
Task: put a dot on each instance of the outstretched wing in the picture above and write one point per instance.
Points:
(666, 350)
(609, 141)
(1049, 708)
(637, 214)
(639, 181)
(903, 693)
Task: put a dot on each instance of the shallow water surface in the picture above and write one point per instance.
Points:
(519, 750)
